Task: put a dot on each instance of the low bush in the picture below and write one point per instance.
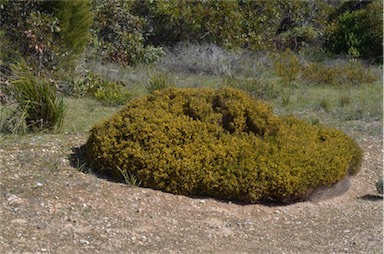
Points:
(222, 144)
(80, 85)
(287, 66)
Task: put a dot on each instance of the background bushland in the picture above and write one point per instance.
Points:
(49, 33)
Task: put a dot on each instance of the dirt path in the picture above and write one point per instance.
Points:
(47, 206)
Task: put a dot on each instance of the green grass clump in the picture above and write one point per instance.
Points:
(220, 143)
(159, 81)
(112, 94)
(39, 108)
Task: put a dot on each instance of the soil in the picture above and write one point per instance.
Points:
(49, 206)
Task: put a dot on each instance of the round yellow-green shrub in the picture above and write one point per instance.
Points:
(222, 144)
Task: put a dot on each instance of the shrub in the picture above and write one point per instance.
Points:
(297, 38)
(45, 33)
(80, 84)
(232, 24)
(358, 30)
(222, 144)
(88, 84)
(119, 36)
(318, 73)
(75, 19)
(287, 66)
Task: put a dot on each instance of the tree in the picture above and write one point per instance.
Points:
(75, 22)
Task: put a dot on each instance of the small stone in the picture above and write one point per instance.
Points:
(18, 221)
(13, 199)
(82, 241)
(82, 230)
(42, 225)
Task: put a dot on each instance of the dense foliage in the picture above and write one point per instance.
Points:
(48, 33)
(118, 35)
(357, 29)
(222, 144)
(256, 25)
(44, 33)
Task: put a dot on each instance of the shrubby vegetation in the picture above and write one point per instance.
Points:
(46, 34)
(118, 35)
(220, 143)
(130, 32)
(356, 28)
(309, 58)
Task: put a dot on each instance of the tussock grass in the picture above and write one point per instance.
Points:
(39, 108)
(160, 80)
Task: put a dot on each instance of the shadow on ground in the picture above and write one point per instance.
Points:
(370, 197)
(78, 161)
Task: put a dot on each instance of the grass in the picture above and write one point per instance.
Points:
(83, 113)
(159, 81)
(340, 104)
(129, 178)
(39, 108)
